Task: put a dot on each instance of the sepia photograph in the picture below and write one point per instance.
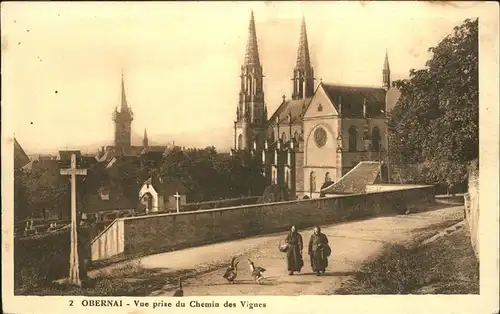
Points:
(245, 149)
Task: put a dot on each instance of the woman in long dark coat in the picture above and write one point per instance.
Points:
(294, 251)
(318, 251)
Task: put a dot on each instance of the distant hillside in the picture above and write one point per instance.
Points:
(221, 138)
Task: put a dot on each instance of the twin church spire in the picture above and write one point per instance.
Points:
(252, 49)
(251, 106)
(303, 74)
(251, 114)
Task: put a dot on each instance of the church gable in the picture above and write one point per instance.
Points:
(321, 105)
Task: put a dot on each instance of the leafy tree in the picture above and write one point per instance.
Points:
(208, 175)
(42, 190)
(435, 121)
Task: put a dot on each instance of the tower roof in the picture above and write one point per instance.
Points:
(252, 51)
(386, 61)
(123, 104)
(303, 59)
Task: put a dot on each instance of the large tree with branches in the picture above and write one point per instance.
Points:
(436, 120)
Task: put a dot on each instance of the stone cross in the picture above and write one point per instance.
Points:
(74, 271)
(177, 201)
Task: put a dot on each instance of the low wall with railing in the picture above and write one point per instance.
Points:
(153, 234)
(220, 203)
(373, 188)
(110, 242)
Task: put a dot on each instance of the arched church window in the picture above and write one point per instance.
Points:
(240, 142)
(376, 139)
(353, 139)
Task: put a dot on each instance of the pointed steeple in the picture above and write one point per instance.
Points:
(145, 141)
(386, 61)
(123, 103)
(303, 74)
(251, 108)
(303, 59)
(252, 50)
(123, 121)
(386, 73)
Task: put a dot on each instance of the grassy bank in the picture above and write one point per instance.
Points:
(129, 280)
(446, 266)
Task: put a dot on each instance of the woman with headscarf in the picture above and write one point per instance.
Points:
(318, 250)
(294, 251)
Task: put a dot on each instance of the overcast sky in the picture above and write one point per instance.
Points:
(62, 62)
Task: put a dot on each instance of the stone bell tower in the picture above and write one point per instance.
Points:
(123, 125)
(251, 113)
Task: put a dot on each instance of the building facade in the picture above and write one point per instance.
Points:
(318, 134)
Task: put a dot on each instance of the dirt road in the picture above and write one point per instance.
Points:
(353, 243)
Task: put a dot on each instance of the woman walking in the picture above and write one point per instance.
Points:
(294, 251)
(319, 250)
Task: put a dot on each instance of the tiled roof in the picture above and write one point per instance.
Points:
(135, 150)
(64, 159)
(109, 152)
(98, 178)
(88, 161)
(106, 154)
(355, 181)
(20, 157)
(29, 165)
(295, 107)
(154, 149)
(117, 200)
(47, 164)
(352, 98)
(124, 160)
(65, 155)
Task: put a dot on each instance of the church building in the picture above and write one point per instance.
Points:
(317, 135)
(123, 118)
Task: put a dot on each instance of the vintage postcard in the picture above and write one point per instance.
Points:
(250, 157)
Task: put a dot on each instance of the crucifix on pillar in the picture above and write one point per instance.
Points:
(177, 201)
(74, 271)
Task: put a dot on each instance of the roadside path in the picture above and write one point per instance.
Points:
(353, 243)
